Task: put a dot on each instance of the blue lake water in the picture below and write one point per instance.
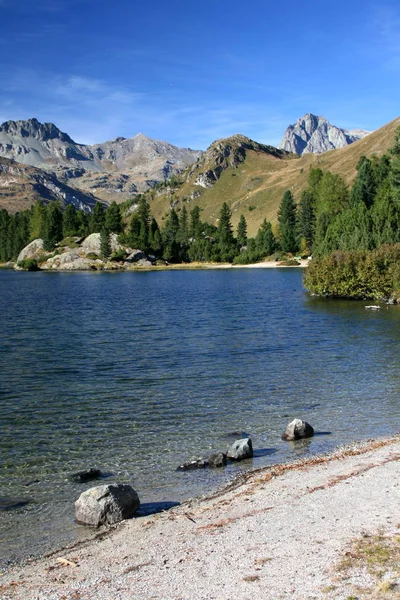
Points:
(134, 373)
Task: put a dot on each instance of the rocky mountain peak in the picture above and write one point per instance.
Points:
(316, 134)
(34, 129)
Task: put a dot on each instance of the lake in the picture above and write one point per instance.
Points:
(135, 373)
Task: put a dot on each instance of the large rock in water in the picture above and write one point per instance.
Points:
(106, 504)
(241, 449)
(297, 430)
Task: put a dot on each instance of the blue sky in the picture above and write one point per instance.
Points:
(191, 72)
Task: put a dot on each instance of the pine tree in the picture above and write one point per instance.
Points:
(70, 221)
(134, 232)
(5, 225)
(364, 186)
(155, 239)
(195, 228)
(83, 221)
(385, 215)
(306, 218)
(183, 234)
(113, 221)
(37, 220)
(332, 195)
(53, 226)
(105, 244)
(97, 218)
(170, 234)
(287, 223)
(242, 231)
(227, 247)
(265, 242)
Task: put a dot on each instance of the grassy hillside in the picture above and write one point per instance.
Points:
(255, 186)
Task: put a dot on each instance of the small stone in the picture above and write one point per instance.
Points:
(83, 476)
(297, 430)
(241, 449)
(193, 464)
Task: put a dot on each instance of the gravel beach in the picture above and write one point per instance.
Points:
(277, 532)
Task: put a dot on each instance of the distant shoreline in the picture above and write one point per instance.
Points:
(303, 263)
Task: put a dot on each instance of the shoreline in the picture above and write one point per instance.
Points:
(201, 533)
(303, 263)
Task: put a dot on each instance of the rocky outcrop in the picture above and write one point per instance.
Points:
(225, 153)
(85, 257)
(297, 430)
(315, 134)
(241, 449)
(32, 250)
(69, 261)
(106, 504)
(91, 244)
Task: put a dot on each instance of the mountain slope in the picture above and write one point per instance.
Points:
(21, 185)
(253, 185)
(113, 170)
(315, 134)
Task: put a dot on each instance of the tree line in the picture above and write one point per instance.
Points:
(185, 237)
(331, 216)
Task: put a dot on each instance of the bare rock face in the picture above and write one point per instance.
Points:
(106, 504)
(315, 134)
(297, 430)
(241, 449)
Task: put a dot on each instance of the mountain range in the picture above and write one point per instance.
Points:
(39, 161)
(113, 170)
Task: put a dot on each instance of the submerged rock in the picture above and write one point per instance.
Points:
(106, 504)
(13, 503)
(83, 476)
(297, 430)
(241, 449)
(217, 460)
(193, 464)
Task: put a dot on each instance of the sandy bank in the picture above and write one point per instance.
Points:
(280, 532)
(271, 264)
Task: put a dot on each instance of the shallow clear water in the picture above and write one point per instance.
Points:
(134, 373)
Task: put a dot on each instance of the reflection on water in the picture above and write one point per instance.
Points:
(135, 373)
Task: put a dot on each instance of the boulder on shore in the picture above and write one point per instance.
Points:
(241, 449)
(106, 504)
(297, 430)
